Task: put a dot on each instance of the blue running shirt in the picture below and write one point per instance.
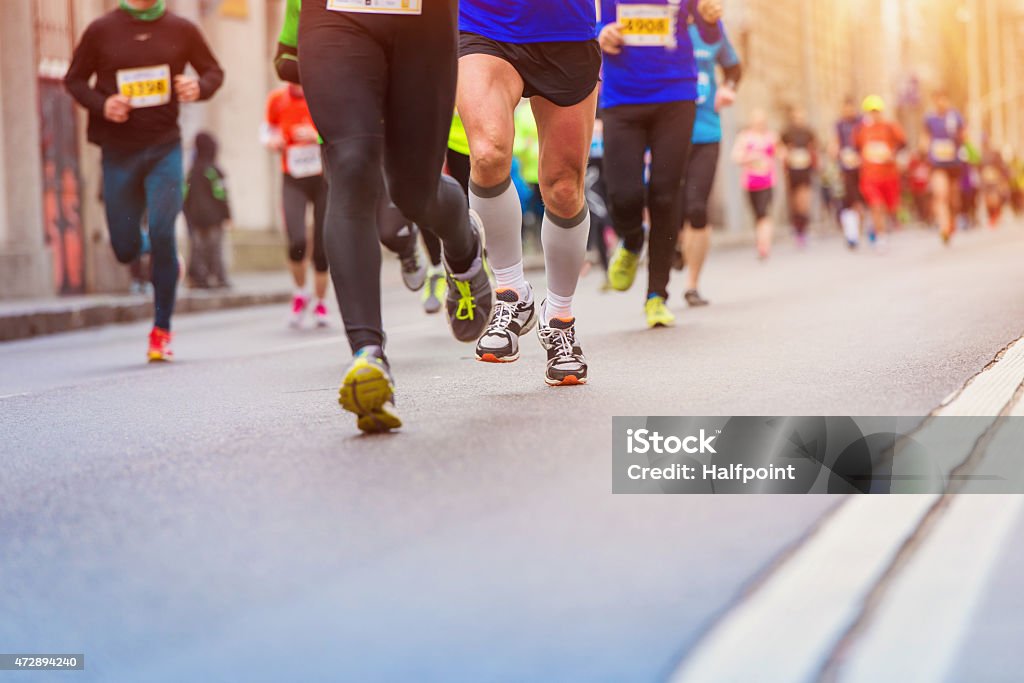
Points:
(659, 64)
(946, 132)
(529, 21)
(708, 126)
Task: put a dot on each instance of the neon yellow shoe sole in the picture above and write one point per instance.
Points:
(622, 269)
(367, 393)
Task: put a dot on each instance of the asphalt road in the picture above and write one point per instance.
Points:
(220, 519)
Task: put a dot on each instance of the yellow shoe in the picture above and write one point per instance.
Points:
(622, 269)
(658, 314)
(368, 392)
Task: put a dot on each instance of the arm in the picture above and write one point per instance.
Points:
(211, 76)
(83, 66)
(730, 62)
(286, 61)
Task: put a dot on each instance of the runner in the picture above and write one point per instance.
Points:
(944, 134)
(544, 51)
(138, 53)
(800, 156)
(379, 76)
(918, 178)
(707, 138)
(755, 150)
(649, 102)
(995, 182)
(290, 131)
(851, 212)
(597, 200)
(878, 140)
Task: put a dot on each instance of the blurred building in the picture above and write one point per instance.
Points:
(53, 237)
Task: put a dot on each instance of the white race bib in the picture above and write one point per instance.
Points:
(377, 6)
(304, 161)
(798, 159)
(943, 151)
(648, 25)
(149, 86)
(877, 152)
(849, 158)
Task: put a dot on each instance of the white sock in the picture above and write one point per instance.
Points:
(512, 277)
(502, 216)
(851, 225)
(558, 307)
(565, 250)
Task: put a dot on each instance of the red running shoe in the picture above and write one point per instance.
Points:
(160, 346)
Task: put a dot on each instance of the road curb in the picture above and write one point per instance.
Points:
(78, 316)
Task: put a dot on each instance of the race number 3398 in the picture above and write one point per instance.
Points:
(148, 86)
(648, 25)
(377, 6)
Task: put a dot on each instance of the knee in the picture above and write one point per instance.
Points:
(697, 215)
(563, 195)
(412, 202)
(491, 161)
(354, 164)
(626, 202)
(297, 251)
(125, 253)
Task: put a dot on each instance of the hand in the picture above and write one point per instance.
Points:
(725, 97)
(186, 88)
(611, 39)
(117, 108)
(710, 10)
(305, 134)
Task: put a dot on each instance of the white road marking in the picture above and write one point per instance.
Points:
(914, 635)
(788, 627)
(13, 395)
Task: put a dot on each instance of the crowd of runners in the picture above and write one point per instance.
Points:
(450, 132)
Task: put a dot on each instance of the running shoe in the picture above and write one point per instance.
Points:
(160, 346)
(300, 302)
(622, 269)
(512, 319)
(658, 314)
(434, 292)
(567, 365)
(693, 298)
(470, 299)
(368, 391)
(414, 271)
(320, 314)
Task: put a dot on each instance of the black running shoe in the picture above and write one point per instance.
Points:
(567, 366)
(470, 297)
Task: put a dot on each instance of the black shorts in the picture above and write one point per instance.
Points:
(798, 178)
(565, 73)
(761, 202)
(851, 188)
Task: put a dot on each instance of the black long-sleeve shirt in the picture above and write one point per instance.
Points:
(117, 42)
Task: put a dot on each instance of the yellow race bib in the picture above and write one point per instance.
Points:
(148, 86)
(944, 151)
(376, 6)
(648, 25)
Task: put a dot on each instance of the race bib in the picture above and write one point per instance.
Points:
(377, 6)
(648, 25)
(799, 159)
(944, 151)
(703, 88)
(149, 86)
(849, 158)
(304, 161)
(877, 153)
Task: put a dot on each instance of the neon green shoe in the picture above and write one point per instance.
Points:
(658, 314)
(622, 269)
(369, 392)
(435, 291)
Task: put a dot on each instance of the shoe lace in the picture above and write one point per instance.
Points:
(467, 302)
(503, 314)
(562, 341)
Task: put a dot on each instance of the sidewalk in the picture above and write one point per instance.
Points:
(32, 317)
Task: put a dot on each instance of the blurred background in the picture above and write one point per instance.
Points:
(806, 53)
